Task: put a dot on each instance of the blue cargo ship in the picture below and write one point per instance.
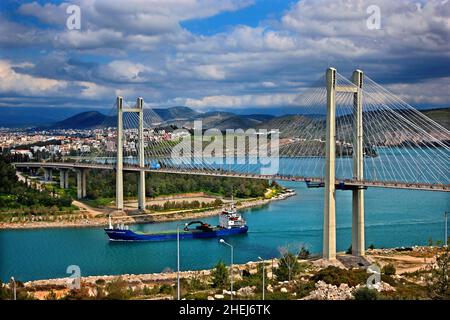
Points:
(230, 223)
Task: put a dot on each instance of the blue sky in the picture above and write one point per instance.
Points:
(235, 55)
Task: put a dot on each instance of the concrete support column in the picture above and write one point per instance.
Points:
(84, 183)
(358, 242)
(66, 179)
(141, 183)
(46, 175)
(119, 157)
(62, 177)
(81, 183)
(329, 214)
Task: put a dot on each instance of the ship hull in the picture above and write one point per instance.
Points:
(129, 235)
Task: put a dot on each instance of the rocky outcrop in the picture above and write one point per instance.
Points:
(246, 291)
(325, 291)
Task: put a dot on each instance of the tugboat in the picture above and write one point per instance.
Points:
(230, 223)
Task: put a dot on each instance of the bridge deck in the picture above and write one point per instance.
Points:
(346, 182)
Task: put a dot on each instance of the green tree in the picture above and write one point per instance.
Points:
(219, 274)
(288, 265)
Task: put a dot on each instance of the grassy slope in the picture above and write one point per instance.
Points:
(441, 116)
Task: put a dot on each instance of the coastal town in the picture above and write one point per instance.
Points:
(58, 143)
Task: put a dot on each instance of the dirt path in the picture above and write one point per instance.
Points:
(89, 210)
(404, 263)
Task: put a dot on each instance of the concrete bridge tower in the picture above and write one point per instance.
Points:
(139, 109)
(329, 216)
(119, 156)
(141, 183)
(358, 244)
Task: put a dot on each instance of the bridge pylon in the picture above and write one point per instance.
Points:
(139, 109)
(329, 215)
(358, 242)
(119, 155)
(141, 183)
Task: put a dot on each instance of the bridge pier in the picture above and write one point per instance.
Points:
(81, 183)
(64, 178)
(48, 174)
(329, 213)
(358, 242)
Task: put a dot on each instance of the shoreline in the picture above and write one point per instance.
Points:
(135, 219)
(406, 260)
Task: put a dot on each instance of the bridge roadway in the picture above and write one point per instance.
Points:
(340, 183)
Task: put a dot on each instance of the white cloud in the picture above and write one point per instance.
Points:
(268, 100)
(147, 52)
(435, 91)
(125, 71)
(13, 82)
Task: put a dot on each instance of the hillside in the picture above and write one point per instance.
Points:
(184, 117)
(441, 116)
(84, 120)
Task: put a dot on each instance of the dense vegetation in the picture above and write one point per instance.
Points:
(101, 184)
(17, 195)
(176, 205)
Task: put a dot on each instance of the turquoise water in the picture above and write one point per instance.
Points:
(393, 218)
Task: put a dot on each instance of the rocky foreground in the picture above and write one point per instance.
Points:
(403, 274)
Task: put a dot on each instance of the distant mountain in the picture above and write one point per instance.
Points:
(175, 116)
(84, 120)
(176, 113)
(180, 116)
(19, 117)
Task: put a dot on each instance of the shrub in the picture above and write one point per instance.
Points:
(365, 293)
(304, 288)
(166, 289)
(220, 275)
(304, 253)
(196, 283)
(389, 269)
(335, 276)
(51, 296)
(78, 294)
(118, 290)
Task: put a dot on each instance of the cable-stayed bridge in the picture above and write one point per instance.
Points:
(349, 134)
